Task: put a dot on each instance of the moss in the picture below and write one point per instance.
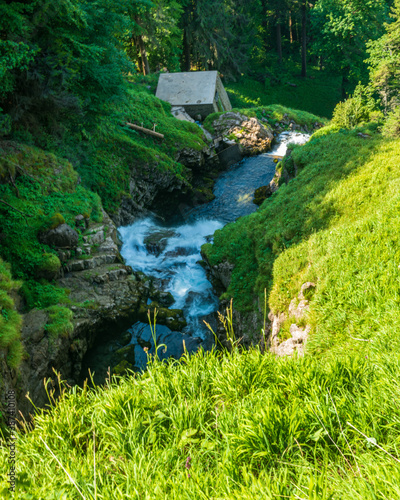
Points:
(49, 266)
(60, 321)
(49, 194)
(10, 319)
(56, 220)
(122, 368)
(272, 113)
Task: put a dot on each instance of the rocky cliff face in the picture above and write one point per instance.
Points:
(104, 296)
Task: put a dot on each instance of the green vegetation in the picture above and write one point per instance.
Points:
(317, 94)
(10, 320)
(272, 114)
(241, 425)
(39, 191)
(335, 224)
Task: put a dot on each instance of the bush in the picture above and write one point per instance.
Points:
(391, 127)
(356, 110)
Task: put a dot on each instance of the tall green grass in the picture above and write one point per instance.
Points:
(238, 425)
(335, 224)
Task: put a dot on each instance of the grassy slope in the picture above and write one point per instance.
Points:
(335, 224)
(250, 425)
(317, 94)
(104, 153)
(246, 425)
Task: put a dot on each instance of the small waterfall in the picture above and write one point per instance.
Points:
(171, 254)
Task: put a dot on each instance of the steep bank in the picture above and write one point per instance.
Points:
(334, 226)
(74, 283)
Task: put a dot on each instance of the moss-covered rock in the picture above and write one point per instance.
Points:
(122, 368)
(49, 267)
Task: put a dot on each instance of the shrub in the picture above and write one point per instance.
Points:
(391, 127)
(355, 110)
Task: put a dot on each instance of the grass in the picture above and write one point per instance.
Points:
(107, 155)
(317, 94)
(10, 320)
(335, 224)
(45, 192)
(238, 425)
(272, 114)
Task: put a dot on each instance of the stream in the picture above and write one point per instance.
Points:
(170, 253)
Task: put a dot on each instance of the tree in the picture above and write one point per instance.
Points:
(341, 30)
(384, 62)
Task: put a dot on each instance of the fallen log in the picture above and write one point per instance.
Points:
(144, 130)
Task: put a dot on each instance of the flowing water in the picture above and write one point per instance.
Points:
(171, 253)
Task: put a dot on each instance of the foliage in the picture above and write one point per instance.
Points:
(60, 321)
(359, 108)
(10, 320)
(241, 425)
(318, 94)
(391, 127)
(384, 61)
(44, 189)
(341, 31)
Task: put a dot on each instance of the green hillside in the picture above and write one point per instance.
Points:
(246, 424)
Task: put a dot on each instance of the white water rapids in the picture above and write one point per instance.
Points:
(170, 253)
(175, 261)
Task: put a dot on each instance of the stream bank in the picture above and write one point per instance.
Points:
(109, 296)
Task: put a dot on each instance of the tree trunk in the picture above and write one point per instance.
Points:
(264, 23)
(304, 39)
(290, 27)
(143, 55)
(186, 52)
(279, 41)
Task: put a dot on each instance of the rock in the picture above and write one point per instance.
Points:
(62, 236)
(180, 114)
(254, 136)
(34, 326)
(122, 368)
(262, 193)
(165, 299)
(157, 242)
(81, 221)
(126, 353)
(125, 338)
(306, 290)
(191, 158)
(49, 267)
(298, 309)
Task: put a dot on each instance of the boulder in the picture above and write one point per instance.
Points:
(254, 136)
(157, 242)
(262, 193)
(62, 236)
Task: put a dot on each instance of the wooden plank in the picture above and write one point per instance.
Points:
(144, 130)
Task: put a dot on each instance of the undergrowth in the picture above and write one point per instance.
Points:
(10, 320)
(317, 94)
(238, 425)
(106, 153)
